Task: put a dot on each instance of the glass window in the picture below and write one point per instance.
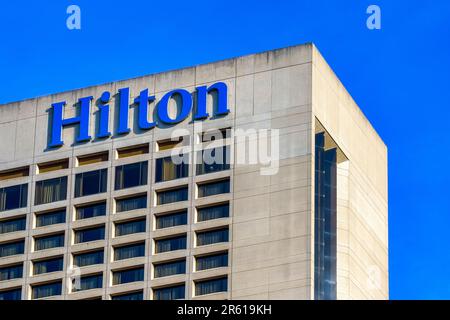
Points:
(129, 296)
(12, 248)
(47, 290)
(213, 188)
(11, 272)
(211, 286)
(167, 170)
(131, 203)
(49, 218)
(216, 134)
(91, 210)
(14, 294)
(88, 258)
(129, 275)
(170, 268)
(130, 227)
(170, 244)
(92, 182)
(13, 225)
(171, 219)
(48, 242)
(13, 197)
(49, 265)
(212, 261)
(88, 283)
(131, 175)
(172, 195)
(169, 293)
(213, 160)
(51, 190)
(213, 212)
(90, 234)
(129, 251)
(211, 237)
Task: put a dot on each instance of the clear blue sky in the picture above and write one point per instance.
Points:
(399, 76)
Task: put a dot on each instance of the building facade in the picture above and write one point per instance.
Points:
(94, 204)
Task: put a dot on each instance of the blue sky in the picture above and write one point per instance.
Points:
(399, 76)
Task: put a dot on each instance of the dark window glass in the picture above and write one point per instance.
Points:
(129, 251)
(11, 272)
(170, 244)
(131, 175)
(92, 210)
(127, 276)
(48, 242)
(12, 248)
(169, 293)
(170, 268)
(88, 259)
(91, 234)
(172, 195)
(47, 290)
(13, 197)
(13, 225)
(216, 134)
(211, 286)
(49, 265)
(49, 218)
(167, 170)
(171, 220)
(213, 212)
(212, 261)
(91, 182)
(130, 227)
(131, 203)
(213, 160)
(51, 190)
(129, 296)
(14, 294)
(213, 188)
(211, 237)
(88, 283)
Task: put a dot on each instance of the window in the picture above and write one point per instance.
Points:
(130, 227)
(92, 182)
(172, 195)
(11, 272)
(213, 160)
(15, 173)
(139, 295)
(131, 203)
(213, 212)
(13, 225)
(91, 210)
(170, 244)
(50, 218)
(129, 251)
(88, 283)
(88, 258)
(48, 265)
(211, 286)
(212, 188)
(51, 190)
(210, 237)
(13, 197)
(171, 219)
(212, 261)
(12, 248)
(92, 158)
(216, 134)
(132, 151)
(129, 275)
(13, 294)
(47, 290)
(167, 170)
(169, 293)
(48, 242)
(169, 144)
(53, 166)
(170, 268)
(90, 234)
(131, 175)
